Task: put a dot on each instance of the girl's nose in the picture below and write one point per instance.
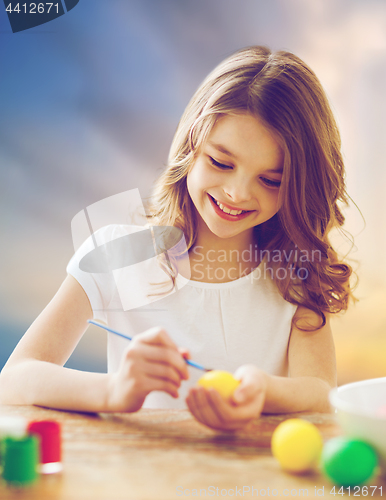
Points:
(238, 193)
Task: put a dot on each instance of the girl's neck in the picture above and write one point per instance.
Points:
(206, 240)
(220, 260)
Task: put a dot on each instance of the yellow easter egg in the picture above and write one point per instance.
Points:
(224, 382)
(297, 445)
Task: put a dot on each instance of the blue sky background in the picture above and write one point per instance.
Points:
(89, 104)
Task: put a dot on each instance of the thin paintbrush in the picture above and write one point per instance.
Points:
(191, 363)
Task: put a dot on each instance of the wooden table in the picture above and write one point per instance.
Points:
(166, 454)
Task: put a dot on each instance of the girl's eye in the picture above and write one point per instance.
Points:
(268, 182)
(271, 183)
(219, 165)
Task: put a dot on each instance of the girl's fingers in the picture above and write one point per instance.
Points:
(246, 403)
(196, 406)
(161, 371)
(230, 423)
(238, 415)
(184, 352)
(193, 406)
(205, 410)
(225, 413)
(244, 394)
(253, 382)
(164, 355)
(159, 384)
(157, 336)
(213, 411)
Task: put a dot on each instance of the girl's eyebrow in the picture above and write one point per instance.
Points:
(222, 149)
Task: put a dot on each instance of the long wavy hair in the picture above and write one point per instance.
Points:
(284, 93)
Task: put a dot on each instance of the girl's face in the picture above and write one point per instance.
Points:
(239, 166)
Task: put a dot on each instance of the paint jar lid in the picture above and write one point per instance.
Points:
(50, 439)
(20, 460)
(13, 427)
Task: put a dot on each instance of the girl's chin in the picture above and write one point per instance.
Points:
(225, 233)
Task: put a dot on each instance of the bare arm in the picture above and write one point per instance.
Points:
(311, 358)
(34, 373)
(312, 367)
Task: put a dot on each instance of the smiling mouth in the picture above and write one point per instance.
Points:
(227, 210)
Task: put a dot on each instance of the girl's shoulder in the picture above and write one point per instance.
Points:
(114, 231)
(101, 242)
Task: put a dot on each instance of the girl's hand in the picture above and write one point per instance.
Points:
(152, 362)
(246, 403)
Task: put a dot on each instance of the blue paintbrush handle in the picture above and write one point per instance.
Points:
(196, 365)
(109, 329)
(191, 363)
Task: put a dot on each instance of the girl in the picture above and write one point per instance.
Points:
(253, 181)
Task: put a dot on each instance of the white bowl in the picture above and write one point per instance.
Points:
(357, 405)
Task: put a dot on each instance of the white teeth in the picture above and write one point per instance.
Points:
(227, 211)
